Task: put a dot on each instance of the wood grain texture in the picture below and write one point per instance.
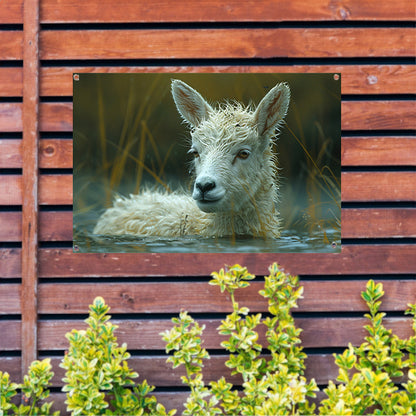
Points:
(376, 115)
(218, 11)
(53, 153)
(145, 334)
(378, 223)
(53, 190)
(378, 186)
(200, 297)
(226, 43)
(10, 299)
(362, 259)
(11, 45)
(11, 117)
(30, 182)
(378, 151)
(353, 260)
(96, 11)
(356, 79)
(11, 80)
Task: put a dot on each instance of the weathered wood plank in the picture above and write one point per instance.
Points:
(199, 297)
(216, 11)
(11, 79)
(362, 115)
(361, 259)
(53, 226)
(30, 182)
(53, 190)
(378, 186)
(13, 340)
(144, 335)
(356, 186)
(10, 299)
(205, 11)
(378, 151)
(354, 259)
(356, 79)
(230, 43)
(53, 153)
(11, 11)
(11, 117)
(11, 45)
(378, 223)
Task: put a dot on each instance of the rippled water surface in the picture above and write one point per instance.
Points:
(291, 241)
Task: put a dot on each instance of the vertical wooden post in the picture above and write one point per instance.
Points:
(30, 181)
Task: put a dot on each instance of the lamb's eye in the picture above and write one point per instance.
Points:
(243, 154)
(194, 153)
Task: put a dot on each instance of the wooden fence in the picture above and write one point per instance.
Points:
(45, 288)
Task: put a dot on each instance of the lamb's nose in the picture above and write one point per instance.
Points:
(205, 185)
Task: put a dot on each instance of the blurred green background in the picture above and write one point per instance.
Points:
(128, 134)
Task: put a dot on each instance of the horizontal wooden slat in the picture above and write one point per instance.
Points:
(11, 45)
(356, 223)
(378, 223)
(356, 79)
(202, 297)
(53, 153)
(11, 342)
(218, 11)
(378, 151)
(11, 117)
(353, 259)
(11, 11)
(355, 186)
(53, 190)
(355, 151)
(53, 226)
(355, 115)
(226, 43)
(205, 11)
(10, 299)
(11, 80)
(378, 186)
(385, 115)
(144, 335)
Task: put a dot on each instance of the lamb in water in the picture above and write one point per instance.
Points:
(234, 191)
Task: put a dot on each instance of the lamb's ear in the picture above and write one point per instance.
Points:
(272, 109)
(190, 104)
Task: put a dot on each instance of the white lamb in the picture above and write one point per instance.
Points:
(235, 190)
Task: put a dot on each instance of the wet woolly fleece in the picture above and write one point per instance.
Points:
(235, 190)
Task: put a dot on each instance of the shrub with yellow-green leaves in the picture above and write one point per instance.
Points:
(367, 373)
(34, 390)
(98, 380)
(276, 386)
(270, 387)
